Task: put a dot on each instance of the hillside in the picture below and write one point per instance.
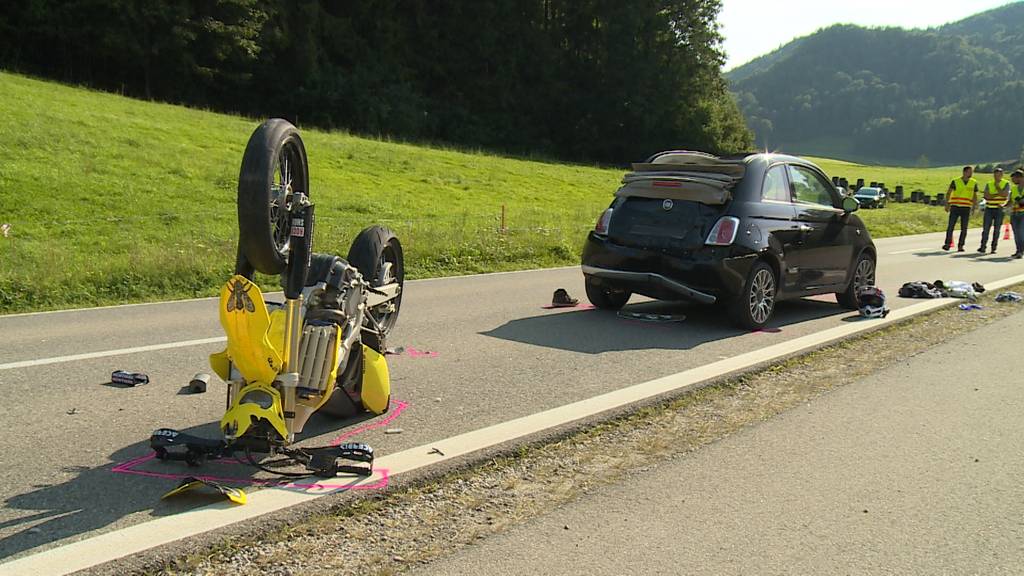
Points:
(938, 96)
(112, 199)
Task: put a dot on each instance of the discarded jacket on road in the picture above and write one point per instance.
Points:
(921, 290)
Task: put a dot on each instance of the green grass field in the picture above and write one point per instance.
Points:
(113, 200)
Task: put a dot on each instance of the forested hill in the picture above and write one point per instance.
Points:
(593, 80)
(953, 94)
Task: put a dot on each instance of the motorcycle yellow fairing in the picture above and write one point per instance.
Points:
(376, 392)
(255, 346)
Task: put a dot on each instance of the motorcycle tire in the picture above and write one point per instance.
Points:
(377, 254)
(274, 168)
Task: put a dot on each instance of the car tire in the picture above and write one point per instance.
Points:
(753, 308)
(863, 275)
(606, 298)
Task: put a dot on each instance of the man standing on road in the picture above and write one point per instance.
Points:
(997, 194)
(1017, 215)
(963, 199)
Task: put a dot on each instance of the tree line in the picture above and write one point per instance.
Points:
(589, 80)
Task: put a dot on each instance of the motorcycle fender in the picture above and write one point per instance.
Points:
(244, 411)
(221, 365)
(376, 391)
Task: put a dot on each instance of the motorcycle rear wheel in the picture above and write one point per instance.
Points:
(274, 169)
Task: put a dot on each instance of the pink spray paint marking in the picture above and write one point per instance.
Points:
(767, 330)
(414, 353)
(397, 407)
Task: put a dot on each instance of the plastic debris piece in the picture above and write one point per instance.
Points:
(236, 495)
(1009, 297)
(125, 378)
(649, 317)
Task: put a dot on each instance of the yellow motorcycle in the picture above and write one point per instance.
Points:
(322, 348)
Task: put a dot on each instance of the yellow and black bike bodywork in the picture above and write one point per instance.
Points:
(254, 366)
(321, 349)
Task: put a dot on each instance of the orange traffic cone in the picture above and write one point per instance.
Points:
(1006, 231)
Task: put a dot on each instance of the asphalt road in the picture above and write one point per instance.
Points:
(915, 470)
(495, 355)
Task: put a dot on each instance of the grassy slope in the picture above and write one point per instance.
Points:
(113, 200)
(897, 220)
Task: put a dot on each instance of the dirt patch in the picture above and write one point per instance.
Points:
(390, 532)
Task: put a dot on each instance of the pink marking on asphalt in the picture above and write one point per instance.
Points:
(398, 406)
(414, 353)
(576, 307)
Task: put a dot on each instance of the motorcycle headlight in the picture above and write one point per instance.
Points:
(259, 398)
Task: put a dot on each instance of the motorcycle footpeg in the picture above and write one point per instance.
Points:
(174, 445)
(324, 463)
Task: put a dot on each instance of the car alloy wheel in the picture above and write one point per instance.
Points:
(864, 275)
(762, 295)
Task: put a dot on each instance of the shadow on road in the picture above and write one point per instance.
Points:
(597, 331)
(98, 497)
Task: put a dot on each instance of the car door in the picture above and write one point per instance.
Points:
(824, 251)
(776, 218)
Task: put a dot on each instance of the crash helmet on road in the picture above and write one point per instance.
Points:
(871, 302)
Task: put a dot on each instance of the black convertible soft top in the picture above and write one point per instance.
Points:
(683, 175)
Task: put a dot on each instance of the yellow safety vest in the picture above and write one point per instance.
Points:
(1000, 197)
(963, 192)
(1016, 192)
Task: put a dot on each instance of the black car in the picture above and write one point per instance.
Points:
(871, 197)
(743, 231)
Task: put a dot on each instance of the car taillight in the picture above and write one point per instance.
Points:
(724, 232)
(602, 222)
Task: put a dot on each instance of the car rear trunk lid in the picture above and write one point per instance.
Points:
(672, 207)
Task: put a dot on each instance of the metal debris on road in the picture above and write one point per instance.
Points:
(198, 383)
(130, 379)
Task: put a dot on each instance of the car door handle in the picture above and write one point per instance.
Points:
(805, 229)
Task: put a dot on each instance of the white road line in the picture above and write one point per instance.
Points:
(106, 353)
(272, 294)
(110, 546)
(909, 251)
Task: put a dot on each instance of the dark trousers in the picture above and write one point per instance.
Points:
(993, 219)
(964, 214)
(1017, 223)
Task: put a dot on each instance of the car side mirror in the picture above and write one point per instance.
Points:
(850, 204)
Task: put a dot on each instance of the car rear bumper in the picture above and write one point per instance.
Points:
(706, 276)
(648, 278)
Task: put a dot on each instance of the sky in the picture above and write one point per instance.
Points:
(755, 27)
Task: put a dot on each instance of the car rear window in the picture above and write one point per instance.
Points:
(776, 187)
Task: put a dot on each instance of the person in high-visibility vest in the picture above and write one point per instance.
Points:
(962, 200)
(997, 194)
(1017, 214)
